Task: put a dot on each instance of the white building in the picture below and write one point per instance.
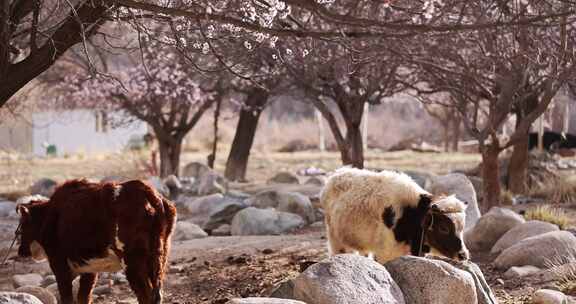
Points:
(73, 131)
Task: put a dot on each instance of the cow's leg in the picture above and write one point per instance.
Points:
(137, 273)
(64, 277)
(87, 281)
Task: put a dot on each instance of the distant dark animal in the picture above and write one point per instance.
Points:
(552, 141)
(387, 215)
(86, 228)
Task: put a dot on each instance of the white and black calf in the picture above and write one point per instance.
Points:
(387, 215)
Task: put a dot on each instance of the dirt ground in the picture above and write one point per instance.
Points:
(215, 269)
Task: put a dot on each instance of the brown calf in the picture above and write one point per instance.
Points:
(86, 228)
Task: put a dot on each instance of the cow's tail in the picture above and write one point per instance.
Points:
(164, 220)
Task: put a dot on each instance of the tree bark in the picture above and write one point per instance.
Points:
(457, 121)
(354, 146)
(170, 150)
(490, 176)
(237, 162)
(518, 167)
(212, 157)
(69, 33)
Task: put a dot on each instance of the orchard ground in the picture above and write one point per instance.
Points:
(215, 269)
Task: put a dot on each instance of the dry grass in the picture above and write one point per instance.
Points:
(549, 214)
(562, 190)
(564, 272)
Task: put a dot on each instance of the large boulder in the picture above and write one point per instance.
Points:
(284, 178)
(544, 251)
(45, 296)
(185, 231)
(459, 185)
(490, 228)
(520, 232)
(286, 202)
(347, 278)
(211, 211)
(263, 301)
(316, 180)
(426, 281)
(29, 279)
(44, 187)
(18, 298)
(255, 221)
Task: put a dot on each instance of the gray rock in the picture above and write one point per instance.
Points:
(45, 296)
(478, 184)
(211, 183)
(520, 232)
(48, 280)
(544, 251)
(284, 290)
(185, 231)
(195, 170)
(427, 281)
(263, 301)
(423, 179)
(547, 296)
(483, 291)
(43, 186)
(284, 178)
(490, 228)
(316, 180)
(347, 278)
(174, 185)
(521, 271)
(18, 298)
(291, 202)
(102, 289)
(29, 279)
(459, 185)
(8, 209)
(212, 211)
(156, 183)
(7, 231)
(254, 221)
(224, 230)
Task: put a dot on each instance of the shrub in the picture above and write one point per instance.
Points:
(561, 190)
(548, 214)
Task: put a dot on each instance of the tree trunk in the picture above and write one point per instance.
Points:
(354, 147)
(169, 156)
(244, 138)
(518, 167)
(490, 176)
(212, 157)
(456, 138)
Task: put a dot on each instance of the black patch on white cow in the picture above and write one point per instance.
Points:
(408, 228)
(388, 217)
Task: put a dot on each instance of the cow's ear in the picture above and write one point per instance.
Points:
(425, 202)
(22, 210)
